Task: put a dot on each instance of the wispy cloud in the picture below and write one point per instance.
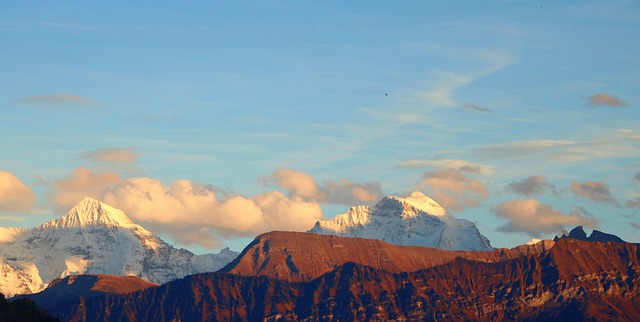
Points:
(475, 108)
(59, 101)
(461, 165)
(15, 196)
(453, 190)
(604, 99)
(597, 191)
(126, 155)
(534, 218)
(635, 203)
(11, 218)
(442, 89)
(532, 185)
(619, 143)
(345, 191)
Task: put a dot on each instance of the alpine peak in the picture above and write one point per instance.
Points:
(421, 202)
(413, 220)
(91, 212)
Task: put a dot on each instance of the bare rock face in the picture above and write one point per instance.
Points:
(596, 236)
(303, 256)
(571, 281)
(415, 220)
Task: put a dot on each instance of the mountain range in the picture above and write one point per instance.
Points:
(567, 280)
(100, 266)
(93, 238)
(413, 220)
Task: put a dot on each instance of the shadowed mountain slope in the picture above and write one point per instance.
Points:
(71, 288)
(572, 281)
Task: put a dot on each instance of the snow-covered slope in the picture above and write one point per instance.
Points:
(413, 220)
(93, 238)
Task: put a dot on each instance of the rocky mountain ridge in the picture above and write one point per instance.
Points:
(573, 280)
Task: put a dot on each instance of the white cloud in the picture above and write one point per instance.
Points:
(15, 196)
(454, 191)
(302, 185)
(534, 218)
(188, 211)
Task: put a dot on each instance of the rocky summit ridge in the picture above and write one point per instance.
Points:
(415, 220)
(93, 238)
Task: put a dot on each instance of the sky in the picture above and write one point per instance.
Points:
(210, 122)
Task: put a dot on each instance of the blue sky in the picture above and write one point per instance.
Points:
(521, 116)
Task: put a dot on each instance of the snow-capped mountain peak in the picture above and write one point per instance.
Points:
(93, 238)
(414, 220)
(419, 202)
(91, 212)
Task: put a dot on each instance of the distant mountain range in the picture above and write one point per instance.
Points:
(413, 220)
(357, 279)
(93, 238)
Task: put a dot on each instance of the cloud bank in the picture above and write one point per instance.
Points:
(191, 213)
(453, 190)
(15, 196)
(302, 185)
(533, 218)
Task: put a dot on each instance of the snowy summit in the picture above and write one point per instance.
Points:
(413, 220)
(93, 238)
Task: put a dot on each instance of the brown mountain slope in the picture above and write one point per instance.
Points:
(572, 281)
(303, 256)
(72, 287)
